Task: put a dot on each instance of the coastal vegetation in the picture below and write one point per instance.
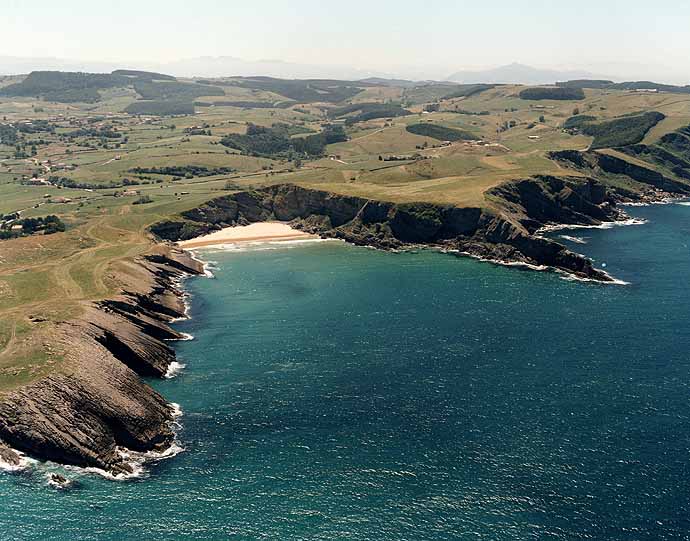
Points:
(635, 86)
(465, 91)
(13, 228)
(303, 91)
(175, 90)
(577, 121)
(441, 133)
(552, 93)
(161, 107)
(622, 131)
(362, 112)
(276, 141)
(187, 171)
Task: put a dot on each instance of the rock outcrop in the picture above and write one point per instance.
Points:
(96, 408)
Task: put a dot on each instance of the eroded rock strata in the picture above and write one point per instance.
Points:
(507, 231)
(97, 405)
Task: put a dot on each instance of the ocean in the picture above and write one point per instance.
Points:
(338, 392)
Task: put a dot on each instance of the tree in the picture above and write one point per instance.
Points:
(542, 119)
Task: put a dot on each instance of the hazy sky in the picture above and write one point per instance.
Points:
(370, 34)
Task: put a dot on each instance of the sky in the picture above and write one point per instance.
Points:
(601, 36)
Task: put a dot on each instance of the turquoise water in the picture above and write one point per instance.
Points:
(335, 392)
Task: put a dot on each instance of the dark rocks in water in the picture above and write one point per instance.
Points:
(59, 481)
(9, 456)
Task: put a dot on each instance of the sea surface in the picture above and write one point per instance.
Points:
(341, 393)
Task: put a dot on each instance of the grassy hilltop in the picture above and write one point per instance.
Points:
(112, 154)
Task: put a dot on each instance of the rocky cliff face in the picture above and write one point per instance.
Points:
(98, 407)
(505, 233)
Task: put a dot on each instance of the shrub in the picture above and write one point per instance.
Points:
(622, 131)
(441, 133)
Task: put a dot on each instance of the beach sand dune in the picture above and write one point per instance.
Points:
(258, 232)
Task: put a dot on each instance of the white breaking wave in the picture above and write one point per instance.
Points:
(184, 337)
(174, 370)
(576, 240)
(603, 225)
(259, 245)
(572, 278)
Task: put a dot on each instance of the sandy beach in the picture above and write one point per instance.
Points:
(258, 232)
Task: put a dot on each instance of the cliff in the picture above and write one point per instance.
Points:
(96, 409)
(506, 232)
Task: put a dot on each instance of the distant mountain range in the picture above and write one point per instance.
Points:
(226, 66)
(520, 74)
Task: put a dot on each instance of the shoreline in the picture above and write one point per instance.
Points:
(258, 232)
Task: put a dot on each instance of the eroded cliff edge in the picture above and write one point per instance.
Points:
(96, 409)
(506, 231)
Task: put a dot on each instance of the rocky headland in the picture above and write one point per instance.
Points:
(97, 410)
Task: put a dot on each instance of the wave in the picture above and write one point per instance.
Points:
(501, 262)
(664, 201)
(184, 337)
(259, 245)
(576, 240)
(612, 280)
(59, 482)
(603, 225)
(174, 370)
(205, 265)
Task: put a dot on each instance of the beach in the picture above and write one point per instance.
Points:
(257, 232)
